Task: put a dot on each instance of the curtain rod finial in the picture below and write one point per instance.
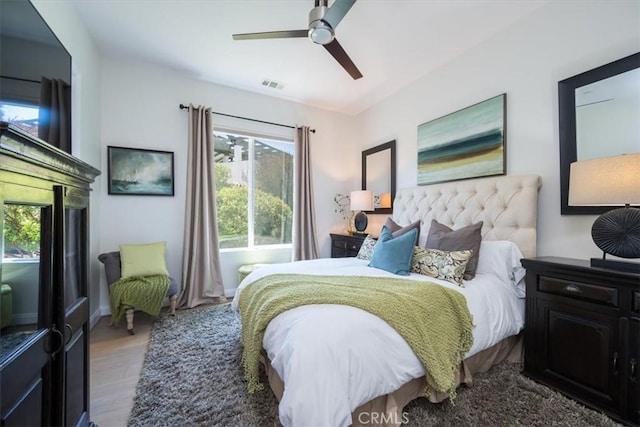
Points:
(183, 107)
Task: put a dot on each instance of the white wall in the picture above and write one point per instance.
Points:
(140, 110)
(85, 77)
(526, 61)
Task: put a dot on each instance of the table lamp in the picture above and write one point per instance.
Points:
(361, 200)
(611, 181)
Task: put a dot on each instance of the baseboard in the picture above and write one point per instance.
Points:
(95, 318)
(105, 310)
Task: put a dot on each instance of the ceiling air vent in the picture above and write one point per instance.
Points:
(272, 84)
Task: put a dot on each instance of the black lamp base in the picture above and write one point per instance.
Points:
(360, 222)
(609, 264)
(617, 232)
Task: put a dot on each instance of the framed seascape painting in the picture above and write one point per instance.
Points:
(135, 171)
(468, 143)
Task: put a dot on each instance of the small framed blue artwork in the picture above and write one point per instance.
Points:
(140, 172)
(468, 143)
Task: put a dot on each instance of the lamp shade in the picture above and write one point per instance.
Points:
(361, 200)
(606, 181)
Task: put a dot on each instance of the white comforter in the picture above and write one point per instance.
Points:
(333, 358)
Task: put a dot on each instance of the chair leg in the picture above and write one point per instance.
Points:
(172, 304)
(129, 314)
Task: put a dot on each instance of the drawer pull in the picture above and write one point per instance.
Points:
(615, 363)
(573, 289)
(632, 377)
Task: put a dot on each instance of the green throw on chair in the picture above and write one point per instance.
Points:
(138, 279)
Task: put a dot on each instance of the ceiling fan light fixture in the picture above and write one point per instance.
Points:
(321, 33)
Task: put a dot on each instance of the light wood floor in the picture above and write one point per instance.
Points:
(115, 363)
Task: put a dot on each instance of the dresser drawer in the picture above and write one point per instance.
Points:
(346, 245)
(572, 289)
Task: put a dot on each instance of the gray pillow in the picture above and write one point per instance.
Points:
(465, 238)
(398, 230)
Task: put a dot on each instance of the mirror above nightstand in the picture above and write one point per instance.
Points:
(379, 175)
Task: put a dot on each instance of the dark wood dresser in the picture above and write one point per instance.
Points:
(582, 333)
(346, 245)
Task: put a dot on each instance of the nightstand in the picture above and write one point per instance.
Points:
(346, 245)
(582, 333)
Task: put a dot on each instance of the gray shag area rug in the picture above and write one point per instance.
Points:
(192, 376)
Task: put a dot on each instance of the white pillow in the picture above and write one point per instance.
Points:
(501, 258)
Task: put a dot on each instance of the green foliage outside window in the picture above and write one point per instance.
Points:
(21, 231)
(272, 216)
(223, 176)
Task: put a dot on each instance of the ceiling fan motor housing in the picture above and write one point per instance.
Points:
(320, 32)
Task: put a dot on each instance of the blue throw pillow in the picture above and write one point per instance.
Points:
(394, 254)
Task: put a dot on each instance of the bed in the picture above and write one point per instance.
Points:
(337, 365)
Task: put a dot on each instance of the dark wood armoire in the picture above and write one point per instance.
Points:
(44, 364)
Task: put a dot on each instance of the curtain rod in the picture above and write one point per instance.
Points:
(184, 107)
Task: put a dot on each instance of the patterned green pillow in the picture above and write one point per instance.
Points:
(444, 265)
(366, 250)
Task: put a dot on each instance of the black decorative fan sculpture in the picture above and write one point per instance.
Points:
(617, 232)
(323, 21)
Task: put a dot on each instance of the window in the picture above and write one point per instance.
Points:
(254, 190)
(21, 232)
(23, 116)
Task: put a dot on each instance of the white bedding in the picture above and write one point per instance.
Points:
(334, 358)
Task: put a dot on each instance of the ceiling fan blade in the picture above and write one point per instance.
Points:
(272, 35)
(337, 11)
(343, 59)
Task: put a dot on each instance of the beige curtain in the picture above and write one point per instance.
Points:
(201, 272)
(305, 245)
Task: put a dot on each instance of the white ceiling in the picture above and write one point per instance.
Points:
(393, 43)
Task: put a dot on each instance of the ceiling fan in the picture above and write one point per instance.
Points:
(323, 21)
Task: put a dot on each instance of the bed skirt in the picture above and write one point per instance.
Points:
(389, 407)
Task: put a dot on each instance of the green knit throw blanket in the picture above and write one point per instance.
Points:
(434, 320)
(144, 293)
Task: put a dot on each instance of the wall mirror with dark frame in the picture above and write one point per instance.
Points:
(599, 112)
(379, 175)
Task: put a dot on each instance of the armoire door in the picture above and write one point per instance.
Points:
(30, 342)
(580, 351)
(70, 284)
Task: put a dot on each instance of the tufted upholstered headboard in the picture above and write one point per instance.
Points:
(507, 204)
